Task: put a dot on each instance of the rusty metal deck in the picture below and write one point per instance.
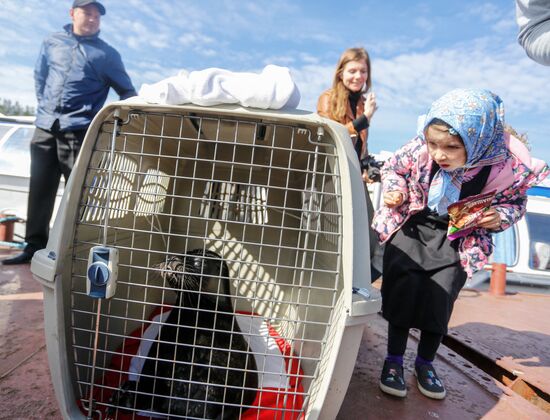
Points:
(495, 361)
(495, 364)
(26, 390)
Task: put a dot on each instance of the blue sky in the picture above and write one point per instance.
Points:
(419, 50)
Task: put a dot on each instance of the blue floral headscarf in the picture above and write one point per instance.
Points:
(477, 115)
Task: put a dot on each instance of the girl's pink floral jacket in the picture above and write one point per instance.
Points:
(407, 171)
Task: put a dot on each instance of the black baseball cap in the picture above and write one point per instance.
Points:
(80, 3)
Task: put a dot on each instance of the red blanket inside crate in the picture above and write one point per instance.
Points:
(279, 372)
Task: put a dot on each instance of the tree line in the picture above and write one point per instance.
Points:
(9, 107)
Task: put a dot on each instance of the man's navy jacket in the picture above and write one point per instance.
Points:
(73, 75)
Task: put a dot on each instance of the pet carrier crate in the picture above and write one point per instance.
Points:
(273, 196)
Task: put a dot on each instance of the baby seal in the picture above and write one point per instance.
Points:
(200, 365)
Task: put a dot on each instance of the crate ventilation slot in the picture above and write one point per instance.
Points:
(152, 194)
(123, 178)
(235, 202)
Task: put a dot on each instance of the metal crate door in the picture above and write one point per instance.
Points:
(262, 194)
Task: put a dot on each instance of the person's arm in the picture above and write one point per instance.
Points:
(397, 170)
(41, 72)
(533, 19)
(510, 205)
(118, 78)
(502, 216)
(362, 122)
(323, 109)
(323, 105)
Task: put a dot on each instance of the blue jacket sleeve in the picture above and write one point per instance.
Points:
(41, 72)
(118, 78)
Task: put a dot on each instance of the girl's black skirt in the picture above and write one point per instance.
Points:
(422, 274)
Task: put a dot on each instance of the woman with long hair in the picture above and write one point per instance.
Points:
(351, 103)
(346, 101)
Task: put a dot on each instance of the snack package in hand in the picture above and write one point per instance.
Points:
(465, 213)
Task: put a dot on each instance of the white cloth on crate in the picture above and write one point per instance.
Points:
(273, 88)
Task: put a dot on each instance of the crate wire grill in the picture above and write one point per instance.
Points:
(263, 195)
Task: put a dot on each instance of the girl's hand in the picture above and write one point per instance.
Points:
(370, 105)
(365, 176)
(490, 220)
(393, 198)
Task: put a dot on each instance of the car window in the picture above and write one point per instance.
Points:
(15, 154)
(505, 247)
(539, 233)
(19, 141)
(4, 129)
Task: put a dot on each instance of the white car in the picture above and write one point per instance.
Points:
(530, 242)
(15, 164)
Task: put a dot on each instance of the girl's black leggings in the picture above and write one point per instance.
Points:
(427, 347)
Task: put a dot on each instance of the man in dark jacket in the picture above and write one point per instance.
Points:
(73, 75)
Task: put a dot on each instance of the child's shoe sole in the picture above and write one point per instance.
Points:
(393, 391)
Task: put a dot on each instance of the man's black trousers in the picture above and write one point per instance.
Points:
(53, 153)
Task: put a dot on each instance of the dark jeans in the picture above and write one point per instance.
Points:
(53, 153)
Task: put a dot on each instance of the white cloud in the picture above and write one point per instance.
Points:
(311, 81)
(280, 60)
(190, 39)
(199, 43)
(396, 45)
(309, 58)
(487, 12)
(501, 19)
(407, 84)
(136, 35)
(17, 84)
(424, 23)
(505, 25)
(20, 25)
(420, 78)
(158, 38)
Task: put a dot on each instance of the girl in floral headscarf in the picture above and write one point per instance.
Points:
(461, 150)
